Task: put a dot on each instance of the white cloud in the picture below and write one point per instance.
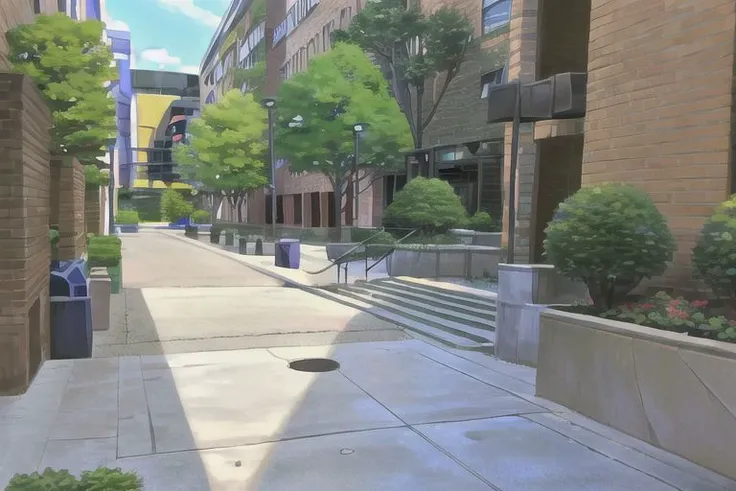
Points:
(110, 23)
(160, 56)
(192, 69)
(188, 8)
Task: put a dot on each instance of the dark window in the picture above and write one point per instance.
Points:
(315, 207)
(297, 209)
(496, 77)
(280, 209)
(62, 5)
(331, 210)
(496, 13)
(36, 6)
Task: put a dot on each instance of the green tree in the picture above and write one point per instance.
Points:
(174, 206)
(413, 48)
(70, 64)
(316, 113)
(430, 205)
(226, 151)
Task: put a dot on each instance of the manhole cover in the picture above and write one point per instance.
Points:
(316, 365)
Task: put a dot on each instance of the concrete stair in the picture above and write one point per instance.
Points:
(456, 318)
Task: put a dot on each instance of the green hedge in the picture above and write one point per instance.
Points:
(104, 251)
(200, 216)
(127, 217)
(97, 480)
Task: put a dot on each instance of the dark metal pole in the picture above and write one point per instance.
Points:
(111, 192)
(356, 184)
(515, 130)
(272, 157)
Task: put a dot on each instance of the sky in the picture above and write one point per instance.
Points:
(167, 35)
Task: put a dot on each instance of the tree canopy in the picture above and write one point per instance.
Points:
(226, 150)
(413, 48)
(70, 63)
(318, 108)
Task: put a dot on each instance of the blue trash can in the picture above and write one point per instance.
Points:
(68, 279)
(71, 328)
(288, 253)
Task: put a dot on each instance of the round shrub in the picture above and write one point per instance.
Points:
(610, 236)
(714, 256)
(200, 216)
(174, 206)
(481, 222)
(127, 217)
(430, 205)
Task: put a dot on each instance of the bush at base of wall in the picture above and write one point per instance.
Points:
(127, 217)
(102, 478)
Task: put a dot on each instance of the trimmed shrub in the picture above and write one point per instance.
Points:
(714, 255)
(104, 251)
(127, 217)
(610, 236)
(481, 222)
(94, 178)
(100, 479)
(174, 206)
(200, 216)
(430, 205)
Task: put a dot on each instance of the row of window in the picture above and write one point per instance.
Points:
(496, 13)
(294, 16)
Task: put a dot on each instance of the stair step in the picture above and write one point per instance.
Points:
(429, 296)
(440, 335)
(484, 322)
(461, 298)
(459, 329)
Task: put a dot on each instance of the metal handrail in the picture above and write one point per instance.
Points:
(338, 261)
(391, 251)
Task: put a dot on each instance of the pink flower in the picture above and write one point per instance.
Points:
(699, 303)
(647, 306)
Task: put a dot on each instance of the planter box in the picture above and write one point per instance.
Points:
(444, 261)
(336, 250)
(668, 389)
(490, 239)
(524, 292)
(127, 229)
(116, 278)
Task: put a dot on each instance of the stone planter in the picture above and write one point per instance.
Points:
(524, 292)
(127, 228)
(668, 389)
(444, 261)
(490, 239)
(335, 250)
(229, 238)
(100, 288)
(465, 236)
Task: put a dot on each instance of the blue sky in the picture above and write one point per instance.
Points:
(166, 34)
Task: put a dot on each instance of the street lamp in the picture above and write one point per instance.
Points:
(111, 187)
(358, 128)
(270, 104)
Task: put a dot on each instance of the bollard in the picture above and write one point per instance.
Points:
(214, 236)
(243, 245)
(229, 238)
(259, 247)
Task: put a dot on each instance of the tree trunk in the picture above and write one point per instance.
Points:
(240, 201)
(337, 196)
(420, 110)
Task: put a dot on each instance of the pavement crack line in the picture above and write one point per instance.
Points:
(422, 436)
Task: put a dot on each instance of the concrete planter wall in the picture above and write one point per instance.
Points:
(668, 389)
(524, 292)
(471, 237)
(444, 261)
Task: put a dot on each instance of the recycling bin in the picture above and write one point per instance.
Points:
(71, 328)
(68, 279)
(288, 253)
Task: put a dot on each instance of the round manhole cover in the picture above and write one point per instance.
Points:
(315, 365)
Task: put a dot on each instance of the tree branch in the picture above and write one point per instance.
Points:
(450, 76)
(381, 176)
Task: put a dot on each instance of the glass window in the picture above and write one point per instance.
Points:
(496, 13)
(496, 77)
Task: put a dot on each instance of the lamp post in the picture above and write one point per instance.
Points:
(358, 128)
(270, 105)
(111, 190)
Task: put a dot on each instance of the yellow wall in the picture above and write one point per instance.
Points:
(150, 109)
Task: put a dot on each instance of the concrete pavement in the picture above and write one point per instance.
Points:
(395, 416)
(179, 297)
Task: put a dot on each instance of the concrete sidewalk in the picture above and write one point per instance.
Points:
(396, 416)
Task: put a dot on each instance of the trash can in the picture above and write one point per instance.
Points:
(71, 328)
(288, 253)
(68, 279)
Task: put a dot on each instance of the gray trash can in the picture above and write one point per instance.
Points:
(288, 253)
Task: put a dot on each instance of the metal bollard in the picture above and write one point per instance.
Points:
(214, 237)
(243, 245)
(259, 247)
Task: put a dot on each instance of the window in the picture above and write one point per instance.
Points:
(61, 4)
(327, 35)
(297, 209)
(496, 13)
(345, 16)
(36, 6)
(496, 77)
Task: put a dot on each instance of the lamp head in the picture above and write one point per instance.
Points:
(359, 127)
(268, 103)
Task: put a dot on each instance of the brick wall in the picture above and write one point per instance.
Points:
(12, 13)
(659, 107)
(24, 218)
(92, 211)
(67, 206)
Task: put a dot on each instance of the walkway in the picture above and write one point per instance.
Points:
(181, 298)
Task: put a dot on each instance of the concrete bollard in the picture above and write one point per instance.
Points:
(259, 247)
(243, 245)
(100, 289)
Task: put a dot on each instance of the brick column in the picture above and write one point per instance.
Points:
(67, 206)
(24, 245)
(659, 109)
(92, 211)
(522, 65)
